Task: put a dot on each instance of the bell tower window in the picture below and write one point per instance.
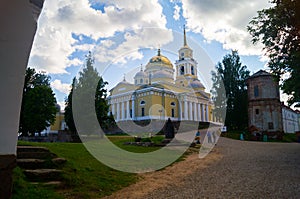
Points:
(192, 70)
(182, 70)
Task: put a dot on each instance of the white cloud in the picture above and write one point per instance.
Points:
(58, 85)
(54, 44)
(128, 50)
(176, 14)
(62, 105)
(224, 21)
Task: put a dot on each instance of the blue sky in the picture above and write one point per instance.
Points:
(123, 34)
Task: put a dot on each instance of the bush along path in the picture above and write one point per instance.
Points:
(40, 166)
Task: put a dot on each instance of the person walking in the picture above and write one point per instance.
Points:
(209, 137)
(197, 137)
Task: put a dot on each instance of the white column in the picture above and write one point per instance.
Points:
(118, 111)
(190, 111)
(198, 111)
(132, 108)
(113, 108)
(206, 107)
(127, 110)
(202, 113)
(195, 111)
(123, 111)
(185, 110)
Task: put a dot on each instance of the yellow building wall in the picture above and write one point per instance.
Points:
(57, 124)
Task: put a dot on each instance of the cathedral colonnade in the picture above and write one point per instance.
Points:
(125, 108)
(194, 111)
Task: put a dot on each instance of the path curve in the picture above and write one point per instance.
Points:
(234, 169)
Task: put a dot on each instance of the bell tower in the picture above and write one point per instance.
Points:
(186, 66)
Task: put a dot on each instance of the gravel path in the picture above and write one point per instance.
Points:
(234, 169)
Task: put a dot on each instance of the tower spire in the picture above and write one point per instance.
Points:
(184, 36)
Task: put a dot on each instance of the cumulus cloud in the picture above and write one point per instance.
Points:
(224, 21)
(58, 85)
(176, 14)
(60, 20)
(133, 42)
(62, 105)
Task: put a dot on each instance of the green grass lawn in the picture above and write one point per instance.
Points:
(287, 137)
(84, 176)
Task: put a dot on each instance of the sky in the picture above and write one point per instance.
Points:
(124, 34)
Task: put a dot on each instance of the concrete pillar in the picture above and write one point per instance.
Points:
(113, 108)
(123, 110)
(118, 111)
(18, 26)
(185, 110)
(180, 110)
(202, 112)
(195, 111)
(132, 107)
(198, 111)
(206, 112)
(127, 110)
(190, 111)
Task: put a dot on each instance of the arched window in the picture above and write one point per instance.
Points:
(172, 103)
(142, 102)
(143, 112)
(182, 70)
(192, 70)
(141, 81)
(136, 81)
(173, 112)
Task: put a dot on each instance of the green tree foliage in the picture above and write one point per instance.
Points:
(278, 28)
(229, 91)
(90, 94)
(68, 108)
(38, 104)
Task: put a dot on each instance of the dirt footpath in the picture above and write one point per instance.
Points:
(234, 169)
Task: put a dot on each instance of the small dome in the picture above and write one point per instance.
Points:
(124, 82)
(162, 74)
(141, 74)
(196, 84)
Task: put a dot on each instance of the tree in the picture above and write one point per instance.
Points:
(229, 91)
(278, 28)
(38, 104)
(90, 94)
(68, 109)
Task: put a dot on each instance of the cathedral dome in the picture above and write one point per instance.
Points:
(160, 60)
(140, 74)
(196, 84)
(162, 74)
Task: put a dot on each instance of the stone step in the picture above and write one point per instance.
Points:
(31, 149)
(40, 163)
(43, 175)
(50, 183)
(35, 155)
(33, 163)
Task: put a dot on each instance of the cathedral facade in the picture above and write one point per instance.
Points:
(161, 91)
